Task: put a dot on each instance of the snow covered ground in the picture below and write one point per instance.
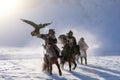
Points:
(98, 68)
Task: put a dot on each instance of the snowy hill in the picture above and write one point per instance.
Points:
(14, 67)
(98, 68)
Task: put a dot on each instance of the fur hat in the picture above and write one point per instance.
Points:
(52, 30)
(70, 33)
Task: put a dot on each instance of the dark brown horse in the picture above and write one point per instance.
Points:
(51, 58)
(68, 54)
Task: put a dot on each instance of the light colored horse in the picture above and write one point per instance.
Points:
(83, 48)
(51, 58)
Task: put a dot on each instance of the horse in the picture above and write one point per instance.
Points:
(83, 48)
(50, 58)
(68, 55)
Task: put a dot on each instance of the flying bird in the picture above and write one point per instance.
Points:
(36, 26)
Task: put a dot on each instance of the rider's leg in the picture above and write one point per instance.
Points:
(57, 50)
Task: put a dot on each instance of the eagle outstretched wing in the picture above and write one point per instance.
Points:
(44, 25)
(36, 26)
(30, 23)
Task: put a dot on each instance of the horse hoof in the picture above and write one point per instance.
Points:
(73, 68)
(60, 74)
(86, 64)
(70, 70)
(50, 73)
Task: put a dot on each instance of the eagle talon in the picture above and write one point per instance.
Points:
(32, 33)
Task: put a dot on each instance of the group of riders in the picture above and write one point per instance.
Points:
(70, 50)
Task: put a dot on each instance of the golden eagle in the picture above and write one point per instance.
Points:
(36, 26)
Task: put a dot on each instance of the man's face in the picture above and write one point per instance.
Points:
(51, 33)
(69, 34)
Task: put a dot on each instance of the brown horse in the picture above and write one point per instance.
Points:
(51, 58)
(68, 54)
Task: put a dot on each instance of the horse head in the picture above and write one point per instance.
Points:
(50, 51)
(63, 39)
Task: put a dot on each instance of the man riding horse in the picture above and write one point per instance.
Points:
(70, 49)
(52, 51)
(71, 40)
(71, 43)
(50, 41)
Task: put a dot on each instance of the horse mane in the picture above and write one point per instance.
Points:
(63, 39)
(51, 52)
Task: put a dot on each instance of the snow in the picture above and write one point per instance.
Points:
(98, 68)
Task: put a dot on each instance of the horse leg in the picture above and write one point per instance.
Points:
(85, 60)
(62, 64)
(50, 69)
(60, 73)
(77, 58)
(44, 67)
(45, 64)
(75, 65)
(69, 65)
(81, 60)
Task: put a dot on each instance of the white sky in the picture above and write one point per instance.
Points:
(91, 19)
